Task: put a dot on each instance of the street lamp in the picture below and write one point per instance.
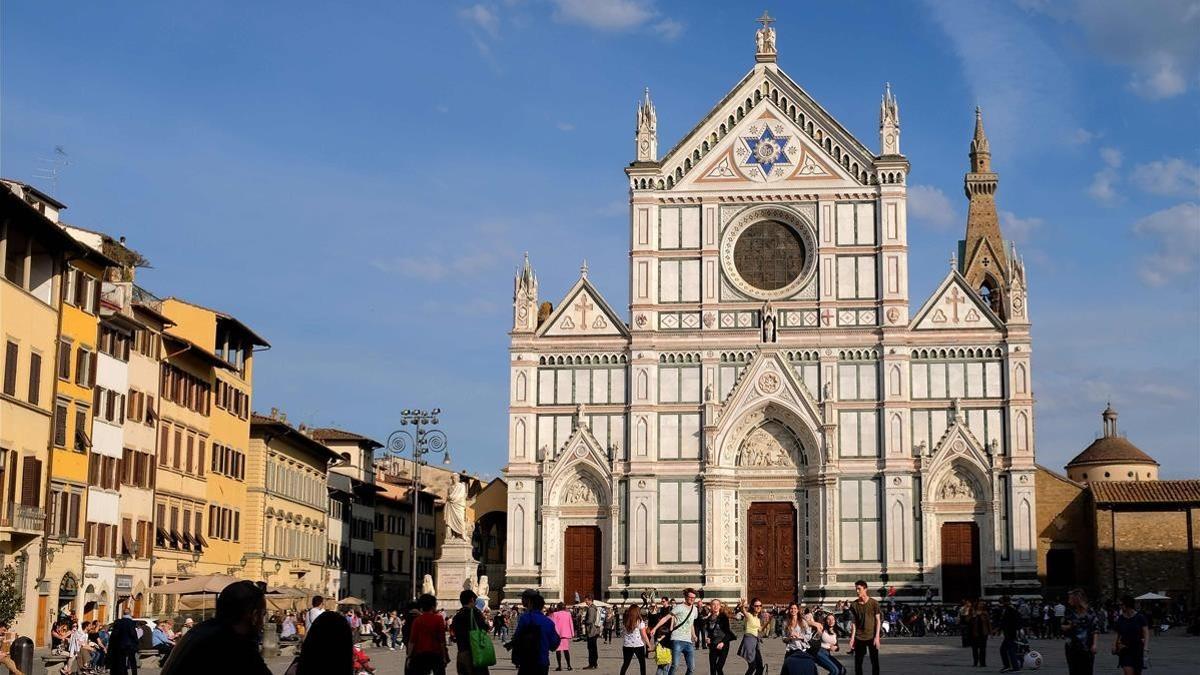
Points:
(418, 442)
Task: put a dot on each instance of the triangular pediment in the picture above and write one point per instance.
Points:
(583, 313)
(581, 460)
(957, 447)
(954, 305)
(721, 150)
(767, 382)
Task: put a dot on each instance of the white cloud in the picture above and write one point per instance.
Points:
(483, 17)
(1177, 232)
(1016, 228)
(1173, 177)
(616, 16)
(1080, 136)
(1103, 187)
(930, 205)
(449, 260)
(1161, 79)
(565, 126)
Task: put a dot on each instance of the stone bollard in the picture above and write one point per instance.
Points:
(22, 654)
(270, 643)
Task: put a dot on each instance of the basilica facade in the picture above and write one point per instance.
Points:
(773, 417)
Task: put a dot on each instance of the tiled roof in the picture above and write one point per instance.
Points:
(1112, 450)
(334, 434)
(1147, 492)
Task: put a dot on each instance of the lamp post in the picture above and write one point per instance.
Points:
(419, 442)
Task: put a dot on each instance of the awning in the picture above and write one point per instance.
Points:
(175, 538)
(340, 482)
(163, 534)
(199, 539)
(127, 543)
(187, 538)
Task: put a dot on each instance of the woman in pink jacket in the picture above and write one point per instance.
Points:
(565, 625)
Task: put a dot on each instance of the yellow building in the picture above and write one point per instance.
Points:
(34, 250)
(285, 531)
(231, 343)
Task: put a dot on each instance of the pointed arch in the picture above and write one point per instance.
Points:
(643, 385)
(518, 538)
(642, 437)
(520, 436)
(522, 386)
(641, 530)
(1024, 530)
(895, 441)
(894, 381)
(1022, 431)
(897, 539)
(1021, 379)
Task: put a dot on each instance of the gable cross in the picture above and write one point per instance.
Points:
(765, 19)
(955, 300)
(583, 307)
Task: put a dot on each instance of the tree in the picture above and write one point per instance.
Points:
(12, 600)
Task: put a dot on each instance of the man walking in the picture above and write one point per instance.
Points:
(533, 637)
(591, 631)
(311, 615)
(123, 646)
(682, 621)
(1010, 622)
(864, 630)
(227, 644)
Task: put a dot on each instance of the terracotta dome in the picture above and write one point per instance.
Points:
(1112, 450)
(1112, 457)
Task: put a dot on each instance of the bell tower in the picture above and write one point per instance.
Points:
(647, 130)
(525, 299)
(889, 123)
(981, 255)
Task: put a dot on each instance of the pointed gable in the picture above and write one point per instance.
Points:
(583, 313)
(954, 305)
(728, 145)
(767, 382)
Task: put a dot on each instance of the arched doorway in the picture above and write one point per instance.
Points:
(959, 500)
(68, 591)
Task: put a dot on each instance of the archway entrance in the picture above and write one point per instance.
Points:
(771, 572)
(960, 561)
(581, 562)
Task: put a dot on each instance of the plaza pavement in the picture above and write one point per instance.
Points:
(1171, 655)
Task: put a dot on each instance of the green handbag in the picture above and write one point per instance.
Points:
(483, 653)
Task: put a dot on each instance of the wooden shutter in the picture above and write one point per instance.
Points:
(73, 518)
(31, 481)
(35, 378)
(11, 351)
(64, 359)
(60, 424)
(81, 367)
(200, 460)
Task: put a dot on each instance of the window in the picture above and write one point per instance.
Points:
(61, 410)
(860, 519)
(63, 511)
(64, 359)
(11, 352)
(678, 522)
(83, 367)
(1005, 519)
(622, 521)
(82, 442)
(35, 378)
(114, 343)
(31, 481)
(678, 436)
(185, 389)
(858, 433)
(679, 280)
(679, 384)
(858, 381)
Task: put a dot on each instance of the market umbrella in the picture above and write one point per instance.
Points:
(598, 603)
(1152, 596)
(208, 583)
(350, 600)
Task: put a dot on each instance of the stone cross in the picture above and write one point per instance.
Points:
(955, 299)
(583, 307)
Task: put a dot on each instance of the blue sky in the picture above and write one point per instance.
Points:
(359, 182)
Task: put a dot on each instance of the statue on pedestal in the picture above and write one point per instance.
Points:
(456, 510)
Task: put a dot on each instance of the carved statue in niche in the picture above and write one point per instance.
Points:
(956, 487)
(768, 323)
(580, 492)
(768, 446)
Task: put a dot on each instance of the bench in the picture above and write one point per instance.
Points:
(144, 654)
(53, 663)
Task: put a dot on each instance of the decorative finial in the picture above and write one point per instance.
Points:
(583, 269)
(765, 39)
(953, 260)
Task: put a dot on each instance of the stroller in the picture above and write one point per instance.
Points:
(1030, 659)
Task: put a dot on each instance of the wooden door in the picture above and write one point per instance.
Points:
(581, 562)
(771, 535)
(960, 561)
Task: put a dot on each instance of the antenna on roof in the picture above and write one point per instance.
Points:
(51, 167)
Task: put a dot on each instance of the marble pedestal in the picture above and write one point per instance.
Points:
(455, 569)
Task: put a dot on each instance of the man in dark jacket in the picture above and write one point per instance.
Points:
(228, 644)
(123, 646)
(534, 636)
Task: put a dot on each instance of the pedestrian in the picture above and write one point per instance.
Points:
(393, 629)
(467, 619)
(591, 630)
(1010, 624)
(681, 622)
(427, 651)
(719, 637)
(750, 649)
(1059, 614)
(1079, 627)
(964, 622)
(228, 643)
(829, 644)
(864, 631)
(1132, 645)
(635, 640)
(318, 606)
(123, 646)
(533, 637)
(564, 625)
(980, 628)
(328, 650)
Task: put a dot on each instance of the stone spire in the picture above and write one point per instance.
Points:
(982, 256)
(525, 299)
(647, 130)
(889, 123)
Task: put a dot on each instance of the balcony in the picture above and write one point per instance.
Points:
(115, 298)
(22, 518)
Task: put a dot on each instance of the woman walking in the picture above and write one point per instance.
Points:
(752, 635)
(964, 622)
(980, 627)
(634, 639)
(1133, 638)
(1079, 627)
(719, 636)
(829, 644)
(564, 623)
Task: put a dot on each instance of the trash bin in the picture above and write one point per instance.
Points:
(22, 654)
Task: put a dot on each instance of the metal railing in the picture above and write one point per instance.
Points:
(23, 518)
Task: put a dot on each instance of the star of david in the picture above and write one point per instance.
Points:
(767, 150)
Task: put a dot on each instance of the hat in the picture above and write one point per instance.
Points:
(529, 593)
